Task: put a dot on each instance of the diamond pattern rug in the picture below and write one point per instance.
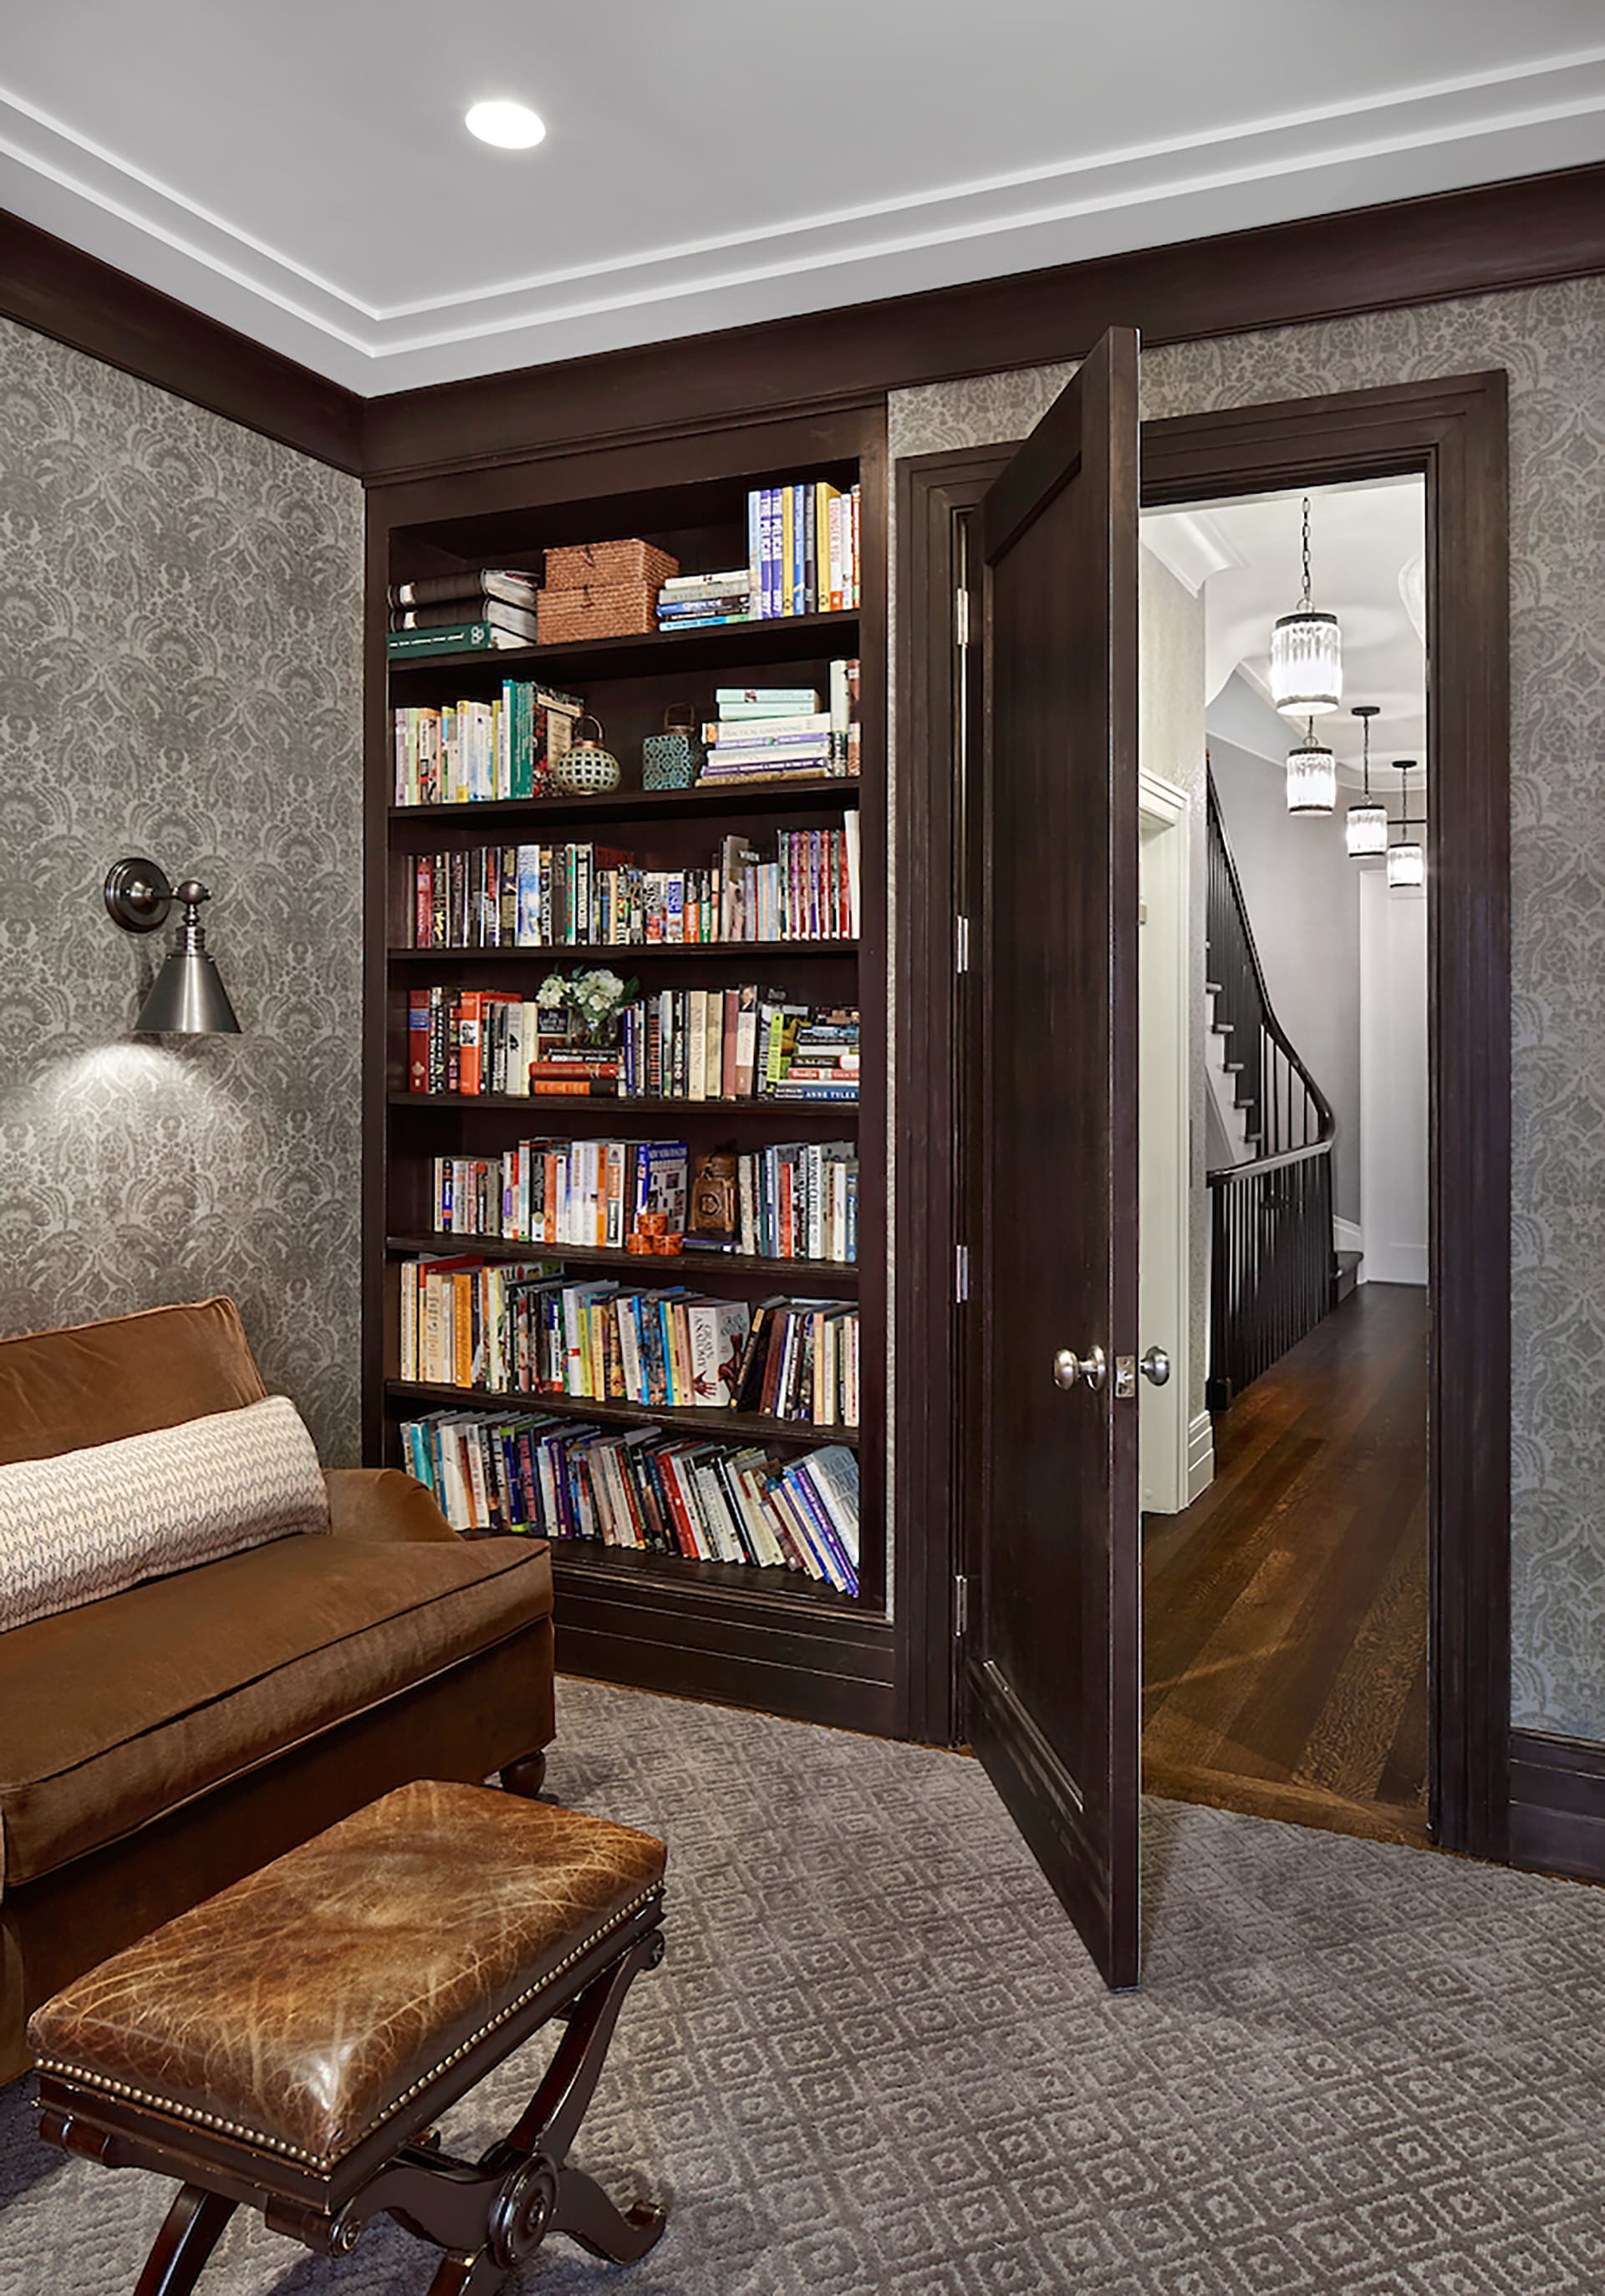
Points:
(876, 2061)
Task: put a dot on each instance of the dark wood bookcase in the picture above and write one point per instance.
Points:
(762, 1637)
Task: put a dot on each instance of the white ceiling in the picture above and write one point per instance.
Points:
(298, 169)
(1367, 555)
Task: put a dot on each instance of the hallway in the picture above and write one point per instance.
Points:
(1285, 1611)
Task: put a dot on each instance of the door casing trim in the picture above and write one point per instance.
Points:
(1454, 432)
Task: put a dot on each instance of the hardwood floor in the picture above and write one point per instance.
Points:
(1285, 1612)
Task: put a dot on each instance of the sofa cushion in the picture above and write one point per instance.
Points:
(94, 1383)
(113, 1715)
(85, 1524)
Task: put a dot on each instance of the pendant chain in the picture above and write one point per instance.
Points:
(1306, 554)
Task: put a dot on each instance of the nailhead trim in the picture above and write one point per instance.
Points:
(324, 2162)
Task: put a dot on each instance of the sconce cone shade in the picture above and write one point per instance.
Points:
(187, 998)
(1365, 830)
(1312, 779)
(1406, 865)
(1307, 664)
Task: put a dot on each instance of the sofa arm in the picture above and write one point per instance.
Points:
(382, 1503)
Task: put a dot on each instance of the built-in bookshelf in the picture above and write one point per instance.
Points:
(761, 1633)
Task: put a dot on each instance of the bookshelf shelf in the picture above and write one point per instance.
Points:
(741, 1426)
(574, 1557)
(704, 1266)
(600, 1104)
(788, 637)
(628, 953)
(627, 805)
(764, 1637)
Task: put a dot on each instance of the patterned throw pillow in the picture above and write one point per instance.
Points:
(90, 1523)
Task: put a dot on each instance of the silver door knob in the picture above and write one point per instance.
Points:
(1068, 1367)
(1156, 1365)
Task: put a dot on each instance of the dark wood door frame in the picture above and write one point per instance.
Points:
(1454, 432)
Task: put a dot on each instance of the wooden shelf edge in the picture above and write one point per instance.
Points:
(843, 1273)
(631, 952)
(701, 798)
(771, 1585)
(574, 1101)
(736, 637)
(735, 1426)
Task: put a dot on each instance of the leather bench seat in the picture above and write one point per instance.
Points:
(117, 1712)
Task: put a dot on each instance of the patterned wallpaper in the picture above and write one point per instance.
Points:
(180, 676)
(1550, 341)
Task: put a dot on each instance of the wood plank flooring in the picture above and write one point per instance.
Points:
(1285, 1612)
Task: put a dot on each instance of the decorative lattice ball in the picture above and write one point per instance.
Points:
(586, 769)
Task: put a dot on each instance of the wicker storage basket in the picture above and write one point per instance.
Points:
(615, 610)
(596, 565)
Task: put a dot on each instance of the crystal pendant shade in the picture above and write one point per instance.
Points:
(1406, 865)
(1365, 830)
(1312, 778)
(1307, 664)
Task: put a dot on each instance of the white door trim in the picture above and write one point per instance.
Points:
(1175, 1463)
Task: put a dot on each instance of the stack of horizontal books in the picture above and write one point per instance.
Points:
(471, 612)
(700, 602)
(783, 733)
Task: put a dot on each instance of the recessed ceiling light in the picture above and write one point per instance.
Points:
(512, 127)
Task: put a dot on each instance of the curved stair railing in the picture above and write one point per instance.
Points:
(1272, 1272)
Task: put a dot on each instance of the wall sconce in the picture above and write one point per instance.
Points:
(187, 997)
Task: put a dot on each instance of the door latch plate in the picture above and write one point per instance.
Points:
(1126, 1377)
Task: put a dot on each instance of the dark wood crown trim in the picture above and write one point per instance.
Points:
(1494, 237)
(76, 299)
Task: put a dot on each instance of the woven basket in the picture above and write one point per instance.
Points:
(593, 565)
(616, 609)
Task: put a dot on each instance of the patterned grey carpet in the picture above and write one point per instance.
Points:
(876, 2061)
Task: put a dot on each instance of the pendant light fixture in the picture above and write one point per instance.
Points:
(1312, 776)
(1407, 860)
(1365, 825)
(1306, 653)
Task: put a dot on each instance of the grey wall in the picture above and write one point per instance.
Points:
(1550, 341)
(180, 676)
(1303, 898)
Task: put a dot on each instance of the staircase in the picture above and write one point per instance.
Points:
(1273, 1274)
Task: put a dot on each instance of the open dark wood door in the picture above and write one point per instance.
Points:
(1054, 1653)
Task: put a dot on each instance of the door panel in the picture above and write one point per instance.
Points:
(1052, 1667)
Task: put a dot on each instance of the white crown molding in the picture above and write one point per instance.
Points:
(1191, 544)
(1399, 144)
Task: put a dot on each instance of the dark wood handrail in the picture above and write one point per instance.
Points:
(1268, 1163)
(1269, 1021)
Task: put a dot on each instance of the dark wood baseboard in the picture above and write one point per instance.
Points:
(778, 1654)
(1558, 1805)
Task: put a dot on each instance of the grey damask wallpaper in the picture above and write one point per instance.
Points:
(180, 676)
(1550, 341)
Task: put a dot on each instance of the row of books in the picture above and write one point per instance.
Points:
(796, 1199)
(519, 1327)
(462, 752)
(582, 895)
(804, 556)
(641, 1487)
(741, 1044)
(779, 733)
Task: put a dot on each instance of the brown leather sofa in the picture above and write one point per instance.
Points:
(161, 1742)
